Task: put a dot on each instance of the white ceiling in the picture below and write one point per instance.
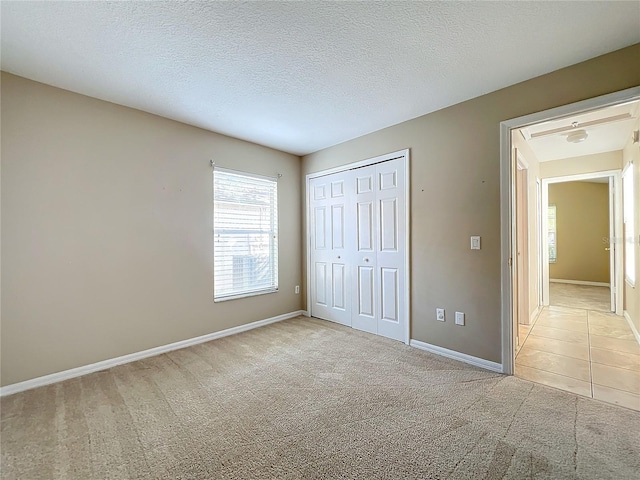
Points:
(608, 130)
(301, 76)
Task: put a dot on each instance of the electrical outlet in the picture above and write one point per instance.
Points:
(459, 318)
(440, 314)
(297, 289)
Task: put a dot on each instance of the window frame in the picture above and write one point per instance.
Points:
(272, 232)
(628, 219)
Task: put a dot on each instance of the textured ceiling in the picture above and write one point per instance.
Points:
(301, 76)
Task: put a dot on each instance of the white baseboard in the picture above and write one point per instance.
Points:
(535, 314)
(632, 325)
(463, 357)
(579, 282)
(132, 357)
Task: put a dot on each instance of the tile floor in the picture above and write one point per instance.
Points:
(580, 296)
(585, 351)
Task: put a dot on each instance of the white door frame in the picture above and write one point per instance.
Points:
(507, 200)
(522, 164)
(350, 166)
(615, 231)
(539, 243)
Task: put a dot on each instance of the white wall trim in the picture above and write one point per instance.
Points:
(132, 357)
(462, 357)
(579, 282)
(579, 177)
(522, 163)
(539, 226)
(506, 200)
(535, 313)
(632, 326)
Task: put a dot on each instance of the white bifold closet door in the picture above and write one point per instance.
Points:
(358, 248)
(330, 251)
(378, 260)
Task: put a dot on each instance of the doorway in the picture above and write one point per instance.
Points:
(358, 234)
(553, 332)
(582, 267)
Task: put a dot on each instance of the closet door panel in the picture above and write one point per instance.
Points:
(320, 287)
(331, 277)
(389, 225)
(320, 225)
(364, 226)
(337, 227)
(366, 292)
(338, 291)
(389, 294)
(364, 313)
(390, 255)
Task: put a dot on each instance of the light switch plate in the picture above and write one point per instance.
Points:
(459, 318)
(475, 242)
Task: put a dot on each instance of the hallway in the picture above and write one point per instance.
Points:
(588, 352)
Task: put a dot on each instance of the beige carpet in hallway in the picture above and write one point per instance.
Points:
(308, 399)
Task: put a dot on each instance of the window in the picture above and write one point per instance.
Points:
(245, 231)
(629, 228)
(551, 222)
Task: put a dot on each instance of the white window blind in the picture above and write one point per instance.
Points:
(628, 211)
(551, 222)
(245, 229)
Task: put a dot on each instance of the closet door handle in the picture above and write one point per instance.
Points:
(366, 259)
(338, 257)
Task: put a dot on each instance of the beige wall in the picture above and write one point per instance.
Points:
(455, 193)
(582, 227)
(599, 162)
(631, 153)
(107, 230)
(107, 219)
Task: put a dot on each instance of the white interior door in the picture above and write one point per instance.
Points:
(390, 198)
(522, 244)
(365, 313)
(357, 247)
(330, 255)
(612, 245)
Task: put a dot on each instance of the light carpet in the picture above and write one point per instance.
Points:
(308, 399)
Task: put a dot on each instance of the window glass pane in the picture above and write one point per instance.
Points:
(551, 222)
(245, 234)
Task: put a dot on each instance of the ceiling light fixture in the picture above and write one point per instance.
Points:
(577, 136)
